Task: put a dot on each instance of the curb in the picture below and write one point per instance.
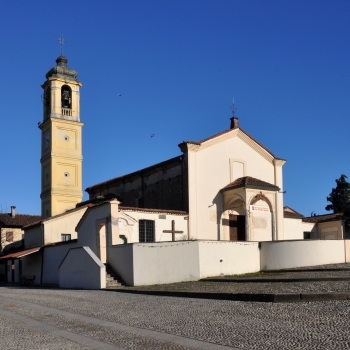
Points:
(256, 280)
(259, 297)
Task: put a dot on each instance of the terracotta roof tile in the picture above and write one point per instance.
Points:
(147, 210)
(291, 213)
(324, 218)
(20, 220)
(38, 222)
(250, 182)
(21, 253)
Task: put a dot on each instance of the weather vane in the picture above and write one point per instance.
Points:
(233, 107)
(62, 42)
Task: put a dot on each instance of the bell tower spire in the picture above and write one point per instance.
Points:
(61, 132)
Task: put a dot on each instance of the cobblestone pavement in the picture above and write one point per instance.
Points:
(268, 287)
(34, 318)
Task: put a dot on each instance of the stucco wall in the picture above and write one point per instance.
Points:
(294, 228)
(31, 265)
(171, 262)
(33, 237)
(130, 227)
(121, 260)
(15, 243)
(53, 257)
(330, 230)
(289, 254)
(64, 224)
(347, 250)
(167, 262)
(82, 269)
(211, 169)
(228, 258)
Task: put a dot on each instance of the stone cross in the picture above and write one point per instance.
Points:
(172, 231)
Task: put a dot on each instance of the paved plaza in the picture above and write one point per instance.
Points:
(39, 318)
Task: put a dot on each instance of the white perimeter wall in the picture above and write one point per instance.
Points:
(171, 262)
(120, 257)
(53, 257)
(228, 258)
(288, 254)
(81, 268)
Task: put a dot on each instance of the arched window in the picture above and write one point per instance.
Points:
(66, 97)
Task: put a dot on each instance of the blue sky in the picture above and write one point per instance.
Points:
(177, 65)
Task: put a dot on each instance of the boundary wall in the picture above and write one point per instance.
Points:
(289, 254)
(171, 262)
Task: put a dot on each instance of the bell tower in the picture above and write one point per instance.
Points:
(61, 146)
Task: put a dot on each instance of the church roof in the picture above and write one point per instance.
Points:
(291, 213)
(20, 220)
(226, 132)
(148, 210)
(250, 182)
(323, 218)
(61, 70)
(40, 221)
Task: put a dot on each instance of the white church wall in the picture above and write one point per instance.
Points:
(62, 224)
(294, 228)
(31, 266)
(260, 222)
(309, 227)
(209, 171)
(228, 258)
(52, 258)
(94, 223)
(288, 254)
(81, 268)
(33, 237)
(330, 230)
(128, 224)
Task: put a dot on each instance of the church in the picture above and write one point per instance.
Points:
(225, 188)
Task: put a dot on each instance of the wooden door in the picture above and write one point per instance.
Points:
(233, 227)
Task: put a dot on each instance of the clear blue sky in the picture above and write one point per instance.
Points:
(177, 65)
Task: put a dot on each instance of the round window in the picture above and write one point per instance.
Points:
(66, 138)
(66, 174)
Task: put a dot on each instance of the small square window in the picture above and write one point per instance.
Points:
(307, 235)
(146, 231)
(65, 237)
(9, 236)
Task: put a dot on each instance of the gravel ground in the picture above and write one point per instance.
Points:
(317, 325)
(16, 335)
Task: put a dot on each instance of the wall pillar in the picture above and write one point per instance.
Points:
(247, 225)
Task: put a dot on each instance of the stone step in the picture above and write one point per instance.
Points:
(112, 278)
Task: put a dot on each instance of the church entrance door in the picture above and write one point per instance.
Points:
(237, 227)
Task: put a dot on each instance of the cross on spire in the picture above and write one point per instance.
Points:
(233, 107)
(62, 42)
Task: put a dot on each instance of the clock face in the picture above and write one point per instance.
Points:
(47, 140)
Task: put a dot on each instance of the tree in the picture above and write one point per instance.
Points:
(340, 196)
